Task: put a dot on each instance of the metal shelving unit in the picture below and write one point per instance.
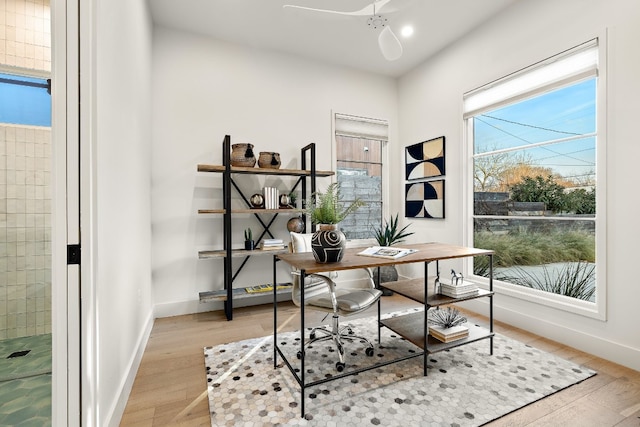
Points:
(306, 179)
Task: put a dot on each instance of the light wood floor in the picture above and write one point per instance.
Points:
(170, 386)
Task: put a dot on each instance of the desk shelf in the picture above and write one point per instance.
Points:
(414, 290)
(411, 327)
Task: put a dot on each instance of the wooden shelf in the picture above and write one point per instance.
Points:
(239, 293)
(262, 171)
(414, 289)
(411, 327)
(238, 253)
(249, 211)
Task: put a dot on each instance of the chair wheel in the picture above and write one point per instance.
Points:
(369, 351)
(312, 336)
(299, 355)
(340, 366)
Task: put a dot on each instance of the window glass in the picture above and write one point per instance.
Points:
(24, 100)
(534, 174)
(359, 174)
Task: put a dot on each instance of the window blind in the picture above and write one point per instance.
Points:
(361, 127)
(575, 64)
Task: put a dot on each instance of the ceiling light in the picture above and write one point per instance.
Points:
(407, 31)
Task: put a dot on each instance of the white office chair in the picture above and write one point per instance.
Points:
(323, 294)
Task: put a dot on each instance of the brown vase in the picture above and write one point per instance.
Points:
(242, 155)
(269, 159)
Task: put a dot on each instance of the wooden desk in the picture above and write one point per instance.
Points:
(412, 327)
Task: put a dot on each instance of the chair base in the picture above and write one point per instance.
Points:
(337, 334)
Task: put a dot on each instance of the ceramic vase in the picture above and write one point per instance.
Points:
(328, 244)
(295, 224)
(242, 155)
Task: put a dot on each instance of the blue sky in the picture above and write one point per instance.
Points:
(563, 113)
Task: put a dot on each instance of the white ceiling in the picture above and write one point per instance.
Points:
(332, 39)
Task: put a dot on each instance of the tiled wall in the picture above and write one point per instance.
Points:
(25, 34)
(25, 203)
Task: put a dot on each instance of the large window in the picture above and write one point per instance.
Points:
(534, 146)
(360, 144)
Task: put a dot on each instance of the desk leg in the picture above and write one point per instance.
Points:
(302, 355)
(426, 326)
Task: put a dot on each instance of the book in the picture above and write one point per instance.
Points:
(388, 252)
(448, 334)
(461, 289)
(266, 288)
(454, 294)
(271, 247)
(272, 242)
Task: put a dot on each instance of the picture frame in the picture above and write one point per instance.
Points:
(425, 159)
(425, 199)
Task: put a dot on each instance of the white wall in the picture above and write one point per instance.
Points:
(121, 170)
(204, 89)
(430, 104)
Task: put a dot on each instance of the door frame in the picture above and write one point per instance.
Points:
(65, 195)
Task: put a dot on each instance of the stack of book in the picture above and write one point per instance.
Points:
(271, 198)
(448, 334)
(272, 244)
(460, 290)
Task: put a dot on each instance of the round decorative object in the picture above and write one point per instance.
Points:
(269, 159)
(257, 201)
(242, 155)
(328, 244)
(285, 202)
(295, 224)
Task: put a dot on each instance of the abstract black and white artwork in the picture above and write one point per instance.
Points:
(425, 159)
(425, 199)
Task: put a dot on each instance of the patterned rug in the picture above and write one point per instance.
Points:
(465, 386)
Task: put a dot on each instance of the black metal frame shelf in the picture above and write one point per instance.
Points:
(304, 174)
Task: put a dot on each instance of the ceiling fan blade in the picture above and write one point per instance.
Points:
(365, 11)
(389, 44)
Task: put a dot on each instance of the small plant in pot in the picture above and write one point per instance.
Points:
(389, 234)
(326, 210)
(249, 243)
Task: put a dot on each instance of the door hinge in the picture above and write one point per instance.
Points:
(73, 254)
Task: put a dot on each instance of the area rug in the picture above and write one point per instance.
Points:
(465, 386)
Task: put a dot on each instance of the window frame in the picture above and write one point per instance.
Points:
(597, 309)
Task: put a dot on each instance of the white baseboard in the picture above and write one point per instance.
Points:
(595, 345)
(116, 412)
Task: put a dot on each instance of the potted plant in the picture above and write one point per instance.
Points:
(293, 199)
(326, 210)
(249, 244)
(389, 234)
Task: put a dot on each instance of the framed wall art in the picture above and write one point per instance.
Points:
(424, 199)
(425, 159)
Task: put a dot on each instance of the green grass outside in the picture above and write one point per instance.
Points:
(518, 249)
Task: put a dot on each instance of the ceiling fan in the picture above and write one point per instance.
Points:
(388, 42)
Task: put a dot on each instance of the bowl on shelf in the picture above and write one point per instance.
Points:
(269, 159)
(242, 155)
